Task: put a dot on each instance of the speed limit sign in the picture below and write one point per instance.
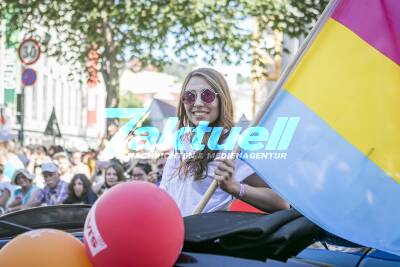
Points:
(29, 51)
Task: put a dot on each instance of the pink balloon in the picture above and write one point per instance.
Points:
(134, 224)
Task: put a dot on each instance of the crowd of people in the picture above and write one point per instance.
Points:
(36, 175)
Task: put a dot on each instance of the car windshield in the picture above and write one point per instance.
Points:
(70, 218)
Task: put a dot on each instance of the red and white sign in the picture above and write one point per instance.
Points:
(92, 234)
(29, 51)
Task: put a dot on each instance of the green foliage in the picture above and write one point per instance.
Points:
(148, 30)
(293, 17)
(178, 70)
(129, 100)
(11, 36)
(243, 79)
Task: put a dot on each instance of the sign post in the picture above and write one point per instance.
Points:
(21, 133)
(29, 53)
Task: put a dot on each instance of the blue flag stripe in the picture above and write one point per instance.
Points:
(330, 181)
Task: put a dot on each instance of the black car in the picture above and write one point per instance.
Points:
(285, 238)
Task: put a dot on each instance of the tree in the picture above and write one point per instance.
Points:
(148, 30)
(129, 100)
(178, 70)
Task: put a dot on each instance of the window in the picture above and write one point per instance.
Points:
(34, 92)
(61, 101)
(80, 100)
(54, 91)
(70, 105)
(45, 98)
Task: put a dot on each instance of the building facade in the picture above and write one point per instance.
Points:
(56, 88)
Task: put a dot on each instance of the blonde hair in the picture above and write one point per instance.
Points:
(198, 164)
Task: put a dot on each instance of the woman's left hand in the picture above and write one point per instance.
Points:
(224, 176)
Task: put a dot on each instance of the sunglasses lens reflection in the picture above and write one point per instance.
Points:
(189, 97)
(207, 96)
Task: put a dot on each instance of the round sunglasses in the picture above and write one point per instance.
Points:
(206, 95)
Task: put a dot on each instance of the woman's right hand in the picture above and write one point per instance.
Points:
(224, 176)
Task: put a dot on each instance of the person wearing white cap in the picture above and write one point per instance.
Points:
(25, 195)
(55, 191)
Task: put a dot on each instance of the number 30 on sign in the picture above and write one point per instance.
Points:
(29, 51)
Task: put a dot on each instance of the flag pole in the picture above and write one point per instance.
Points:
(288, 70)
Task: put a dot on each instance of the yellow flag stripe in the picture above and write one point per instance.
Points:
(356, 90)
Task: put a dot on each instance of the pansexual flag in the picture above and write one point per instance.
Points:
(342, 169)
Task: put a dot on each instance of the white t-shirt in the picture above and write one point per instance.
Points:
(187, 192)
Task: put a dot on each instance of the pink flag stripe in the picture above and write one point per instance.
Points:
(375, 21)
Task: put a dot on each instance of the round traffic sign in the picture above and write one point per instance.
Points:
(28, 77)
(29, 51)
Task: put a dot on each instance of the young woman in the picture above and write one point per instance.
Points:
(205, 97)
(140, 172)
(80, 191)
(114, 174)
